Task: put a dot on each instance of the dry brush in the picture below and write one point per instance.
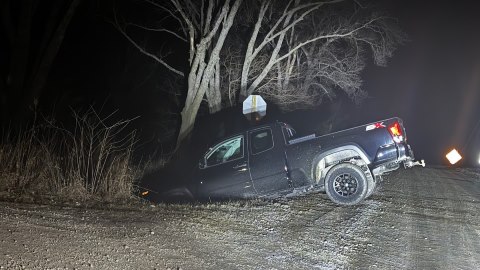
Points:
(92, 160)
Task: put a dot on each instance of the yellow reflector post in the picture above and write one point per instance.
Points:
(453, 156)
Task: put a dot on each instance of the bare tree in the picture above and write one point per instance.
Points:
(313, 49)
(294, 52)
(205, 27)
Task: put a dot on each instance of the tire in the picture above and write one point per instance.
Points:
(346, 184)
(371, 186)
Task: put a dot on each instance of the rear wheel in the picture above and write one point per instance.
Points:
(346, 184)
(371, 186)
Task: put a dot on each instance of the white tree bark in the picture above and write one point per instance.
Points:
(295, 53)
(214, 95)
(205, 28)
(292, 15)
(203, 67)
(305, 53)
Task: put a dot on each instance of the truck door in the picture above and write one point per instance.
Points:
(267, 163)
(225, 172)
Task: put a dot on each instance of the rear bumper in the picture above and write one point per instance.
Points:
(393, 153)
(405, 152)
(403, 155)
(408, 158)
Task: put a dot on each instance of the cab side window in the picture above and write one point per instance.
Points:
(225, 151)
(261, 140)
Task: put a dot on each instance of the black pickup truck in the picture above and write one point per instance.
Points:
(270, 160)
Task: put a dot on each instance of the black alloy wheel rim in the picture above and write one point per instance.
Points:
(345, 185)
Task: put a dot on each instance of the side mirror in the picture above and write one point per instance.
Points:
(201, 163)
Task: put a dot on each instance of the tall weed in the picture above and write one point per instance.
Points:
(90, 161)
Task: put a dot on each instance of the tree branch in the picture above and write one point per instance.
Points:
(191, 29)
(350, 33)
(167, 10)
(157, 30)
(145, 52)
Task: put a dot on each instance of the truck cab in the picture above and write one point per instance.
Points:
(244, 165)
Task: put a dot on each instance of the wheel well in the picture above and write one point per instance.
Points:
(326, 161)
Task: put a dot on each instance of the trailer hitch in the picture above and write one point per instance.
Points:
(410, 163)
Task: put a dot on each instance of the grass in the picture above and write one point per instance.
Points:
(88, 162)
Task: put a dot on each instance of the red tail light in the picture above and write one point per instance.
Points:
(396, 131)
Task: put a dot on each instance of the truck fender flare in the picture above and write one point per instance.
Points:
(342, 152)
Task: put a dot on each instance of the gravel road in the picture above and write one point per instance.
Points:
(422, 218)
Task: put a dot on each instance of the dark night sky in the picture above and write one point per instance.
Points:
(432, 82)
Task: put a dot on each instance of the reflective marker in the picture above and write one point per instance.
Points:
(453, 156)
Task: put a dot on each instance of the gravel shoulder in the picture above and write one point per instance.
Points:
(423, 218)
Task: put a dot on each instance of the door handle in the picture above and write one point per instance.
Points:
(239, 166)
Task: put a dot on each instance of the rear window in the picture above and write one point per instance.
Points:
(261, 140)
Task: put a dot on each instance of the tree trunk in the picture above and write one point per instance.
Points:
(188, 121)
(214, 96)
(249, 54)
(201, 74)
